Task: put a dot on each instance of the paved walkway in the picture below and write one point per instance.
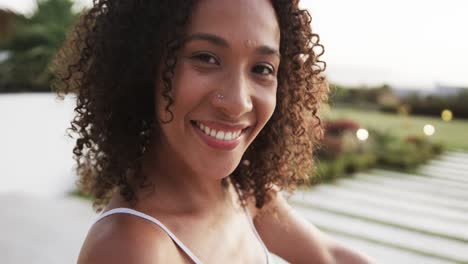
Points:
(42, 230)
(397, 217)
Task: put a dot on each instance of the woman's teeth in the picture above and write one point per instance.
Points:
(218, 134)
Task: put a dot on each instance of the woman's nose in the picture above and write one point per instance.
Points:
(233, 97)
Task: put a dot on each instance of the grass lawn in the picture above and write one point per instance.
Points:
(453, 134)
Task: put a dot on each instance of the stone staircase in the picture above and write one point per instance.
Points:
(397, 217)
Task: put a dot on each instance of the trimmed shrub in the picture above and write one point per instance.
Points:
(343, 154)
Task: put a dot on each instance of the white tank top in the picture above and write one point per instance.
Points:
(179, 243)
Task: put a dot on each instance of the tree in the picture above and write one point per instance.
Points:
(7, 23)
(33, 44)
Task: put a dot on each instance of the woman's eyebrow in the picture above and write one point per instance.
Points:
(266, 50)
(219, 41)
(207, 37)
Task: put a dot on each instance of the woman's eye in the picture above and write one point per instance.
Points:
(206, 57)
(263, 69)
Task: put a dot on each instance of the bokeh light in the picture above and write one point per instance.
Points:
(429, 130)
(362, 134)
(447, 115)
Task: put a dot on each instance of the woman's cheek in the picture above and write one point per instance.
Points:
(195, 82)
(269, 101)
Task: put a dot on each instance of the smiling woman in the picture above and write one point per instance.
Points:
(191, 117)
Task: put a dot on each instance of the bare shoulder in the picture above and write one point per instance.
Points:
(122, 238)
(292, 237)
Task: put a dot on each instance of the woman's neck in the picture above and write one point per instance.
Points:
(179, 189)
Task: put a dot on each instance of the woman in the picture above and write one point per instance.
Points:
(191, 117)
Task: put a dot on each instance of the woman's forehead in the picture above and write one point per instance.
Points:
(248, 22)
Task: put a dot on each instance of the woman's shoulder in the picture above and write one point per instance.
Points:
(124, 238)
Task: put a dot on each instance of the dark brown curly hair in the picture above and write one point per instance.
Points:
(110, 62)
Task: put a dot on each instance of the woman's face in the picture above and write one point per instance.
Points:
(224, 87)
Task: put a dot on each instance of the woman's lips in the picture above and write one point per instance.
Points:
(216, 143)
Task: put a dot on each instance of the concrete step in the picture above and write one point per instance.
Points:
(404, 194)
(408, 241)
(420, 187)
(444, 173)
(407, 177)
(454, 155)
(379, 214)
(384, 254)
(459, 164)
(422, 209)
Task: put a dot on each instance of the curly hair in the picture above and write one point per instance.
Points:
(110, 62)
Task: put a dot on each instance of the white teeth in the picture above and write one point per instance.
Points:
(220, 135)
(213, 133)
(228, 136)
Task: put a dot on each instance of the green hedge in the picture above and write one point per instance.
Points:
(343, 154)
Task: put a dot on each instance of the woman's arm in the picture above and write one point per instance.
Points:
(293, 238)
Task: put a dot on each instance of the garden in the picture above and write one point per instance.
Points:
(357, 140)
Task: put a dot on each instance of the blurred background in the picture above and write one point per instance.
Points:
(392, 171)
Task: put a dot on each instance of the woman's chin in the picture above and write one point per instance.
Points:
(219, 173)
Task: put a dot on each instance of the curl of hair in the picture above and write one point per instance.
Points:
(109, 62)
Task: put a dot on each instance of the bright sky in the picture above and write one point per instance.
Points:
(415, 43)
(403, 42)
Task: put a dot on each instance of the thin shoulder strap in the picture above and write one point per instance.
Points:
(179, 243)
(252, 225)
